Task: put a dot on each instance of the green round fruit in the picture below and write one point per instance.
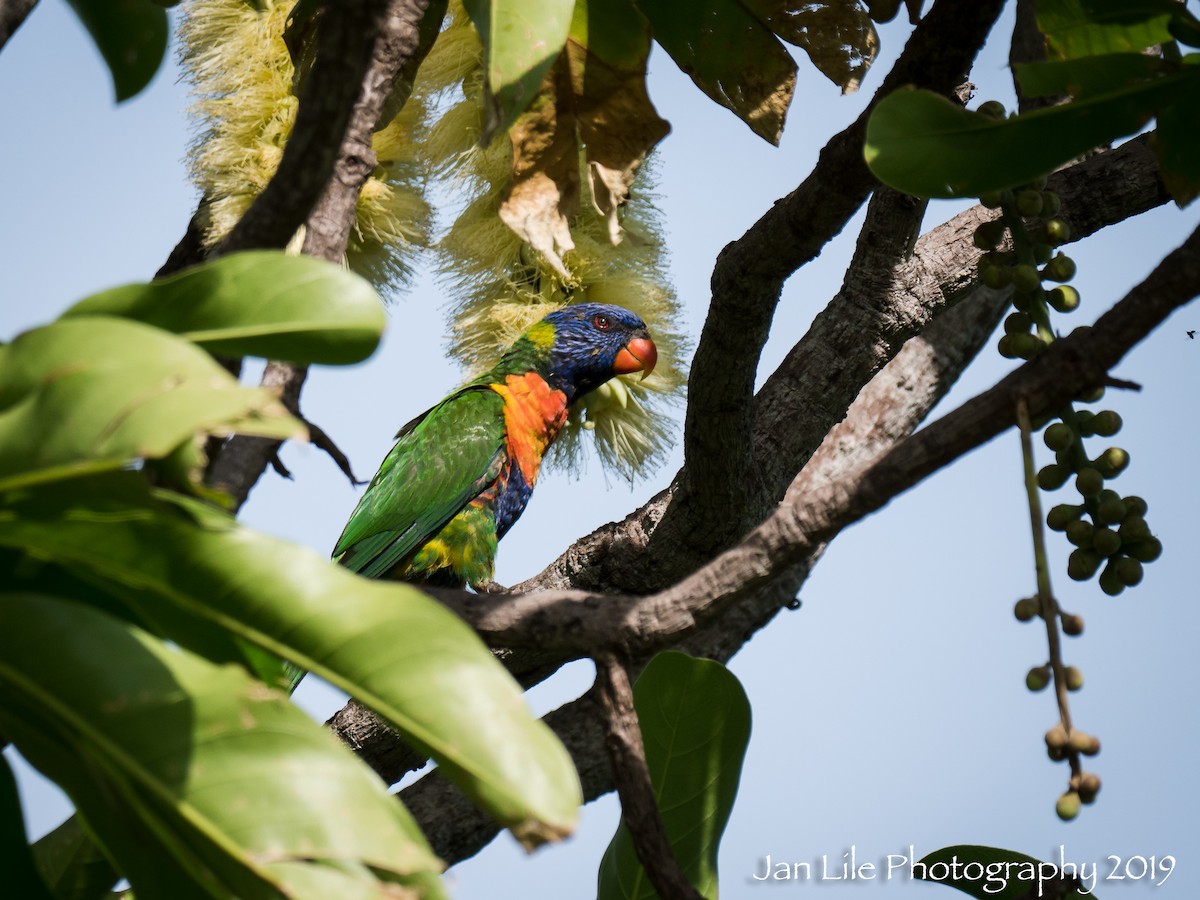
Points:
(1109, 582)
(1136, 505)
(993, 109)
(1061, 268)
(1072, 625)
(1037, 678)
(1067, 806)
(1005, 346)
(995, 277)
(1113, 461)
(1089, 482)
(1025, 277)
(1063, 299)
(1110, 511)
(1134, 529)
(1026, 609)
(1080, 532)
(1092, 395)
(1083, 563)
(1105, 541)
(990, 199)
(1059, 436)
(1018, 323)
(1027, 346)
(1057, 231)
(1062, 515)
(1074, 678)
(1029, 203)
(1051, 203)
(1145, 551)
(1106, 423)
(1052, 477)
(1129, 571)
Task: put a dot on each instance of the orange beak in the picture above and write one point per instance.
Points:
(639, 355)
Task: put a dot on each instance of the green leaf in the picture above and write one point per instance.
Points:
(521, 40)
(131, 35)
(89, 394)
(994, 874)
(1090, 76)
(731, 55)
(695, 722)
(388, 645)
(922, 144)
(1177, 143)
(223, 778)
(259, 303)
(838, 35)
(1075, 28)
(21, 877)
(73, 864)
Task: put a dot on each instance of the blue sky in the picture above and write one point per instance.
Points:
(890, 710)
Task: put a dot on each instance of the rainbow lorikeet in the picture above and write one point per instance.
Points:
(461, 473)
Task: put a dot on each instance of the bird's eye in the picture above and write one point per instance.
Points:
(601, 322)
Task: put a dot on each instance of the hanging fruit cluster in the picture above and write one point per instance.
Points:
(1108, 531)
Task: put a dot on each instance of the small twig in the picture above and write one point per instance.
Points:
(280, 469)
(639, 810)
(322, 441)
(1047, 604)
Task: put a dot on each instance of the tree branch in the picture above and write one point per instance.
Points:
(639, 810)
(386, 38)
(13, 14)
(718, 480)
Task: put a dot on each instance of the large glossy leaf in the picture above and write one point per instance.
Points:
(838, 35)
(1075, 28)
(387, 644)
(94, 393)
(731, 55)
(131, 35)
(225, 780)
(923, 144)
(72, 863)
(259, 303)
(695, 722)
(21, 877)
(989, 873)
(521, 40)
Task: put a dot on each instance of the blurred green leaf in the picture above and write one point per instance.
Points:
(1177, 143)
(731, 55)
(73, 864)
(259, 303)
(93, 393)
(1003, 874)
(695, 722)
(21, 877)
(223, 778)
(922, 144)
(1075, 28)
(1090, 76)
(387, 644)
(521, 40)
(131, 35)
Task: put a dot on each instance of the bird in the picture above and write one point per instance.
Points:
(461, 473)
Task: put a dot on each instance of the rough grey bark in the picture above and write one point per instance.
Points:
(13, 14)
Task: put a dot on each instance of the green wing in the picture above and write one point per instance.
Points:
(442, 460)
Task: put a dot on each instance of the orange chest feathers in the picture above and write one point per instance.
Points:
(533, 415)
